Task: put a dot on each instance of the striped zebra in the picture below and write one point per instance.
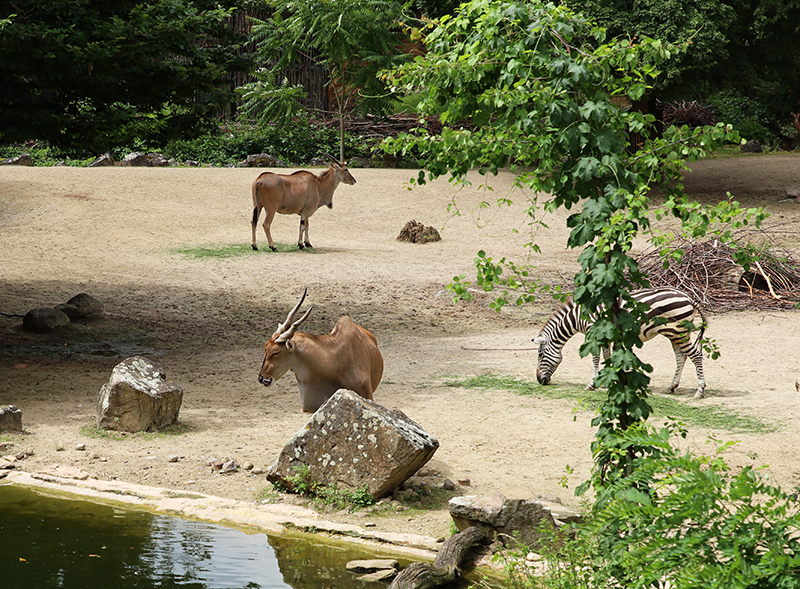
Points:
(668, 303)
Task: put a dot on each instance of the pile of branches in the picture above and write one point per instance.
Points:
(375, 127)
(685, 112)
(709, 273)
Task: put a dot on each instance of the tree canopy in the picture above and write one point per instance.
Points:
(352, 39)
(750, 47)
(88, 75)
(543, 90)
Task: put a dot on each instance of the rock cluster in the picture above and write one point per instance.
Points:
(81, 306)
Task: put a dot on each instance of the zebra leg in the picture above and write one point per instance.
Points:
(697, 357)
(596, 366)
(680, 360)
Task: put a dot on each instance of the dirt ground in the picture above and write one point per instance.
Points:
(116, 233)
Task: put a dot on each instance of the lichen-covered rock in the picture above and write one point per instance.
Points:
(45, 319)
(10, 419)
(356, 443)
(137, 397)
(82, 306)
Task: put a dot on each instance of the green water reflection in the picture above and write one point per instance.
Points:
(48, 542)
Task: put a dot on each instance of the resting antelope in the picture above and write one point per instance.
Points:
(300, 193)
(347, 358)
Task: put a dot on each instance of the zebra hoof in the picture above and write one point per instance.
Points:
(699, 395)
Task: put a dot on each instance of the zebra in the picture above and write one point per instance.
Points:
(671, 304)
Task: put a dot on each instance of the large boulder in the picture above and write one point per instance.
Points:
(515, 513)
(354, 443)
(10, 419)
(137, 397)
(82, 306)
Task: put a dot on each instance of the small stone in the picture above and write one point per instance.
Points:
(448, 485)
(229, 467)
(257, 471)
(793, 192)
(94, 456)
(464, 482)
(370, 565)
(248, 466)
(370, 524)
(173, 458)
(59, 447)
(377, 576)
(80, 447)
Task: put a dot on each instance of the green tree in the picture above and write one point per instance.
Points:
(88, 75)
(542, 89)
(352, 39)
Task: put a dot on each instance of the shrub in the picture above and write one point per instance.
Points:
(747, 116)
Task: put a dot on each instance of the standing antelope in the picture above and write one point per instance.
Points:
(670, 305)
(347, 358)
(300, 193)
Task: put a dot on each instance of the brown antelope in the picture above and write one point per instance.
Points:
(300, 193)
(347, 358)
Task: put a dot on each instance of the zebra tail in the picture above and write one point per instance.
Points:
(703, 325)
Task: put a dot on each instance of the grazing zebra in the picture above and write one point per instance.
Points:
(670, 304)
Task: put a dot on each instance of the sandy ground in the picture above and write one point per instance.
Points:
(115, 233)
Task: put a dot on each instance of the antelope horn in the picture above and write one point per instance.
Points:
(288, 323)
(330, 157)
(287, 335)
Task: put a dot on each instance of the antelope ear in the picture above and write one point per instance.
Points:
(539, 340)
(289, 344)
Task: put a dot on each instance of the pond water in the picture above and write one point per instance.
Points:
(48, 542)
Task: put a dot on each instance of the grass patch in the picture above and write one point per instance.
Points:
(233, 250)
(708, 416)
(90, 430)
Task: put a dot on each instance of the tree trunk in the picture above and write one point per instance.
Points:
(445, 569)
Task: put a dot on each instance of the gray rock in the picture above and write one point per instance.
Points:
(793, 192)
(20, 160)
(45, 319)
(11, 419)
(137, 158)
(82, 306)
(356, 443)
(137, 397)
(103, 160)
(752, 146)
(516, 513)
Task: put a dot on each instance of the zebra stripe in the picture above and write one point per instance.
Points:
(671, 304)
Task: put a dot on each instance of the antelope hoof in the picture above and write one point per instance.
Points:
(273, 248)
(300, 246)
(255, 247)
(308, 245)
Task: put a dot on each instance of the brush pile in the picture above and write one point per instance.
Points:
(709, 273)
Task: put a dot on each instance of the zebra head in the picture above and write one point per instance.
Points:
(549, 358)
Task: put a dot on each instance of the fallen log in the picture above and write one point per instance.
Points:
(445, 569)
